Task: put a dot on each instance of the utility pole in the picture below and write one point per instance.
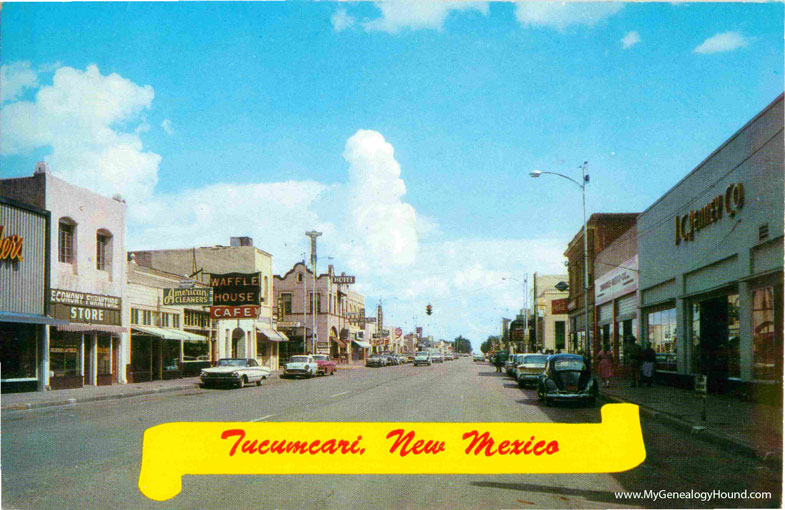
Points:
(314, 333)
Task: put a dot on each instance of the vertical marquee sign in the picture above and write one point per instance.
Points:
(236, 295)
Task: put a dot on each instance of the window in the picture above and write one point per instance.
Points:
(147, 318)
(265, 293)
(134, 316)
(66, 237)
(165, 322)
(196, 351)
(318, 298)
(103, 251)
(104, 355)
(559, 334)
(286, 302)
(299, 278)
(175, 321)
(64, 353)
(662, 335)
(764, 351)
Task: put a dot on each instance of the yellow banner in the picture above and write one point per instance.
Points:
(172, 450)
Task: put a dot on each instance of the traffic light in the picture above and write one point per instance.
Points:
(429, 309)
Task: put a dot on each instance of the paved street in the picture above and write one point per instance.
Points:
(88, 456)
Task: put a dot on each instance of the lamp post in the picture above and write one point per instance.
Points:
(582, 186)
(314, 333)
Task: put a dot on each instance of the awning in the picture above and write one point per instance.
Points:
(30, 318)
(169, 334)
(192, 337)
(282, 335)
(339, 342)
(269, 333)
(364, 345)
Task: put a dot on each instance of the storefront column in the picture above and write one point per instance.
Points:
(682, 336)
(43, 364)
(94, 359)
(745, 331)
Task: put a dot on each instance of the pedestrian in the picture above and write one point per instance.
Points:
(648, 358)
(605, 365)
(633, 350)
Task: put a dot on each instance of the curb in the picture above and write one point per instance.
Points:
(718, 438)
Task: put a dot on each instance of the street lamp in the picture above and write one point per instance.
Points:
(582, 186)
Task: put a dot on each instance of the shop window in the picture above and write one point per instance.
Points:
(17, 351)
(104, 356)
(559, 334)
(716, 337)
(286, 302)
(64, 355)
(103, 251)
(662, 336)
(734, 336)
(66, 237)
(764, 349)
(196, 351)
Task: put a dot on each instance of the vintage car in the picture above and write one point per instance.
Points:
(437, 357)
(566, 378)
(479, 357)
(422, 358)
(512, 361)
(528, 372)
(301, 365)
(376, 361)
(325, 364)
(234, 371)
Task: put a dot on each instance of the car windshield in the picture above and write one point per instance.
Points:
(320, 358)
(422, 355)
(232, 363)
(568, 364)
(535, 360)
(299, 359)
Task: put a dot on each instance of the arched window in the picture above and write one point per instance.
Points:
(66, 241)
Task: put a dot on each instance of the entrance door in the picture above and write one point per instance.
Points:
(238, 343)
(87, 356)
(115, 366)
(714, 347)
(157, 358)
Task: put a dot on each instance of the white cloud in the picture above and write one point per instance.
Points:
(15, 78)
(726, 41)
(167, 126)
(418, 14)
(341, 20)
(83, 117)
(560, 15)
(630, 40)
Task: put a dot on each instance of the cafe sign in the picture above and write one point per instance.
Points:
(84, 308)
(236, 289)
(199, 296)
(729, 203)
(10, 246)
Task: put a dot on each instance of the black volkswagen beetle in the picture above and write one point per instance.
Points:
(567, 379)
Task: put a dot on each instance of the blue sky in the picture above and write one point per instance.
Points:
(405, 131)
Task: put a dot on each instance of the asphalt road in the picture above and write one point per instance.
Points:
(88, 456)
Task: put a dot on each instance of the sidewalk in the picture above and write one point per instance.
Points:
(745, 427)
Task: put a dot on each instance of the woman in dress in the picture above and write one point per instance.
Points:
(605, 365)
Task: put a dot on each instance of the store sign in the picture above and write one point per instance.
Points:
(84, 308)
(370, 320)
(288, 325)
(236, 289)
(618, 282)
(343, 280)
(559, 306)
(10, 247)
(398, 332)
(698, 219)
(234, 312)
(184, 296)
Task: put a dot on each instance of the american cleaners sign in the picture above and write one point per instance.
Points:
(236, 295)
(729, 202)
(199, 296)
(81, 307)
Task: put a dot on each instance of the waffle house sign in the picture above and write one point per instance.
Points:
(728, 203)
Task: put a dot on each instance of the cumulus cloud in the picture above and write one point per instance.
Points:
(630, 40)
(561, 15)
(15, 78)
(418, 14)
(726, 41)
(167, 126)
(341, 20)
(84, 117)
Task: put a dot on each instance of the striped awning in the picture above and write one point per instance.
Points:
(168, 333)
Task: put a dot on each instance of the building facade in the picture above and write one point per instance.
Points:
(86, 280)
(237, 337)
(710, 253)
(601, 230)
(616, 295)
(550, 319)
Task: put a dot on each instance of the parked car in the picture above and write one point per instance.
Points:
(235, 371)
(437, 357)
(376, 361)
(567, 378)
(300, 366)
(528, 372)
(390, 359)
(325, 364)
(512, 361)
(422, 358)
(479, 357)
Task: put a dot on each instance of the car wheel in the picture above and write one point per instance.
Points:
(243, 382)
(259, 382)
(332, 372)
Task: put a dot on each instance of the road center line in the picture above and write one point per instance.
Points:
(264, 417)
(339, 394)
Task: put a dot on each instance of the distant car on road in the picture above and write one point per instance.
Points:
(234, 371)
(325, 364)
(528, 372)
(437, 357)
(300, 366)
(422, 358)
(376, 361)
(479, 357)
(567, 378)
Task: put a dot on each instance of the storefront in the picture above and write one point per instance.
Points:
(711, 259)
(267, 341)
(159, 353)
(615, 294)
(24, 320)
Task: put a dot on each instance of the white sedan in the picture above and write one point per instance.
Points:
(235, 371)
(301, 365)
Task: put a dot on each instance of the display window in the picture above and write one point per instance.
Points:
(766, 344)
(196, 351)
(716, 337)
(104, 354)
(64, 354)
(18, 351)
(662, 336)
